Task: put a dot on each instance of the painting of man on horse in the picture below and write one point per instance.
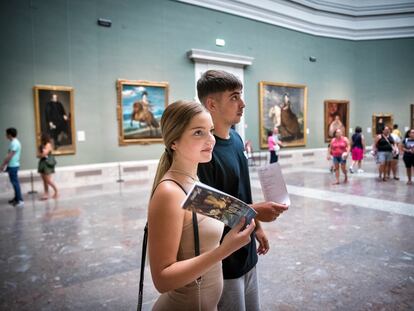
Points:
(142, 105)
(141, 112)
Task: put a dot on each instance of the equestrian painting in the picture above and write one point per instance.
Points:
(140, 107)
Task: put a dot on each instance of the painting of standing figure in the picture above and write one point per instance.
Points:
(380, 121)
(283, 106)
(140, 107)
(336, 117)
(54, 117)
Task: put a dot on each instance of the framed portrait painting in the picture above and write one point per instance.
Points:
(336, 117)
(283, 109)
(381, 120)
(140, 107)
(55, 117)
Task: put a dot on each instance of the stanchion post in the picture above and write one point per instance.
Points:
(32, 191)
(119, 174)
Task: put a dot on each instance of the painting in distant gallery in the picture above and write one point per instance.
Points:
(336, 117)
(140, 107)
(54, 117)
(283, 106)
(381, 120)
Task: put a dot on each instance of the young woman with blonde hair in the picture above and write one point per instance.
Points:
(187, 133)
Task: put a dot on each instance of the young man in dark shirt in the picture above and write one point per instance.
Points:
(220, 93)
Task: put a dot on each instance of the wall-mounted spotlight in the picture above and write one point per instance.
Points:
(312, 59)
(104, 22)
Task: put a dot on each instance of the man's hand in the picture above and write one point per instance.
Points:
(268, 211)
(263, 247)
(7, 160)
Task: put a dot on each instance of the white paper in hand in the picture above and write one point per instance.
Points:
(273, 185)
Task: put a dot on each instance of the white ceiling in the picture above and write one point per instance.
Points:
(345, 19)
(359, 7)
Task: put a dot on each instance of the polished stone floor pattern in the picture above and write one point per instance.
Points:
(342, 247)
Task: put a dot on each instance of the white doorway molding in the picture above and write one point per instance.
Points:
(205, 60)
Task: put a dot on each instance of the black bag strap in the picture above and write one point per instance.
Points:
(196, 239)
(145, 241)
(141, 276)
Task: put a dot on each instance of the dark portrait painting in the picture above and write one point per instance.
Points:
(283, 106)
(381, 120)
(54, 117)
(336, 117)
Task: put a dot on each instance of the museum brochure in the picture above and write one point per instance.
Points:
(214, 203)
(273, 185)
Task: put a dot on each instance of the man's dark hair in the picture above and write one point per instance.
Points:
(358, 129)
(12, 132)
(395, 126)
(216, 81)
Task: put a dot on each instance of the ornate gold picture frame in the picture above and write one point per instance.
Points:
(139, 109)
(379, 121)
(283, 106)
(54, 115)
(336, 116)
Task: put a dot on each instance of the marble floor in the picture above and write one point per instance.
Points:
(343, 247)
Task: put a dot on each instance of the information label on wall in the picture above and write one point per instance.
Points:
(81, 135)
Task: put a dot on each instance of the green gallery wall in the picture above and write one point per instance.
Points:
(58, 42)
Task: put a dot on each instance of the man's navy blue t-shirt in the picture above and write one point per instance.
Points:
(228, 171)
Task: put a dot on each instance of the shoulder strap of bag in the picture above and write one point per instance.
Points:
(197, 252)
(394, 148)
(141, 276)
(145, 241)
(385, 137)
